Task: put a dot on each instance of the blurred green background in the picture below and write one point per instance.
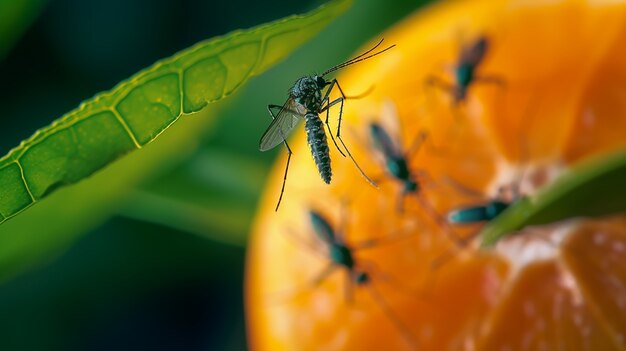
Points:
(166, 271)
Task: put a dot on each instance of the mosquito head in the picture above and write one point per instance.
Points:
(321, 82)
(361, 278)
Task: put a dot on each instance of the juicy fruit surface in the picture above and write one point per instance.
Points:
(561, 286)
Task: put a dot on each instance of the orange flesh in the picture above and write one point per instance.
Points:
(559, 287)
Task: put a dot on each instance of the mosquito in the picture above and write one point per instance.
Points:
(484, 212)
(396, 160)
(470, 57)
(307, 100)
(359, 273)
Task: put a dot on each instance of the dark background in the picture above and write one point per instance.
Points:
(131, 283)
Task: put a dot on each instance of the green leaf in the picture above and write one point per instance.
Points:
(138, 110)
(212, 202)
(55, 223)
(590, 189)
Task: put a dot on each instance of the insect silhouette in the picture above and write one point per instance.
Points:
(307, 100)
(482, 212)
(464, 75)
(479, 213)
(359, 273)
(485, 211)
(396, 164)
(395, 160)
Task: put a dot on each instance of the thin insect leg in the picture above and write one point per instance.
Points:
(417, 144)
(340, 101)
(379, 275)
(377, 242)
(299, 291)
(460, 243)
(436, 81)
(348, 287)
(282, 189)
(361, 95)
(460, 187)
(325, 100)
(441, 221)
(393, 318)
(270, 107)
(320, 277)
(343, 224)
(490, 80)
(302, 242)
(331, 134)
(400, 202)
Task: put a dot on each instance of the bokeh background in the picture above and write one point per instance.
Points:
(165, 271)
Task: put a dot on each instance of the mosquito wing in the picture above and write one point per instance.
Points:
(383, 142)
(475, 52)
(287, 118)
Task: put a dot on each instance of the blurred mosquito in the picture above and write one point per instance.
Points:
(470, 57)
(340, 255)
(486, 211)
(307, 101)
(395, 161)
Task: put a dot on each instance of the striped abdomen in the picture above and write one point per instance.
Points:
(316, 137)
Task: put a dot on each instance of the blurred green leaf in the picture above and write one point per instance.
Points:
(69, 212)
(138, 110)
(213, 202)
(15, 17)
(590, 189)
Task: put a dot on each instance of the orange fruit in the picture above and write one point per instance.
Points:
(555, 287)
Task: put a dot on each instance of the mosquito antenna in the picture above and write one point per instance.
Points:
(359, 58)
(363, 54)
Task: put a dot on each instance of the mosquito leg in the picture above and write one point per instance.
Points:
(348, 288)
(302, 242)
(331, 134)
(340, 102)
(270, 107)
(295, 293)
(343, 225)
(282, 189)
(434, 81)
(441, 221)
(460, 187)
(497, 80)
(380, 241)
(393, 317)
(400, 202)
(452, 252)
(417, 144)
(382, 303)
(325, 100)
(320, 277)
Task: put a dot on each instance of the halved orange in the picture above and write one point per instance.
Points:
(556, 287)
